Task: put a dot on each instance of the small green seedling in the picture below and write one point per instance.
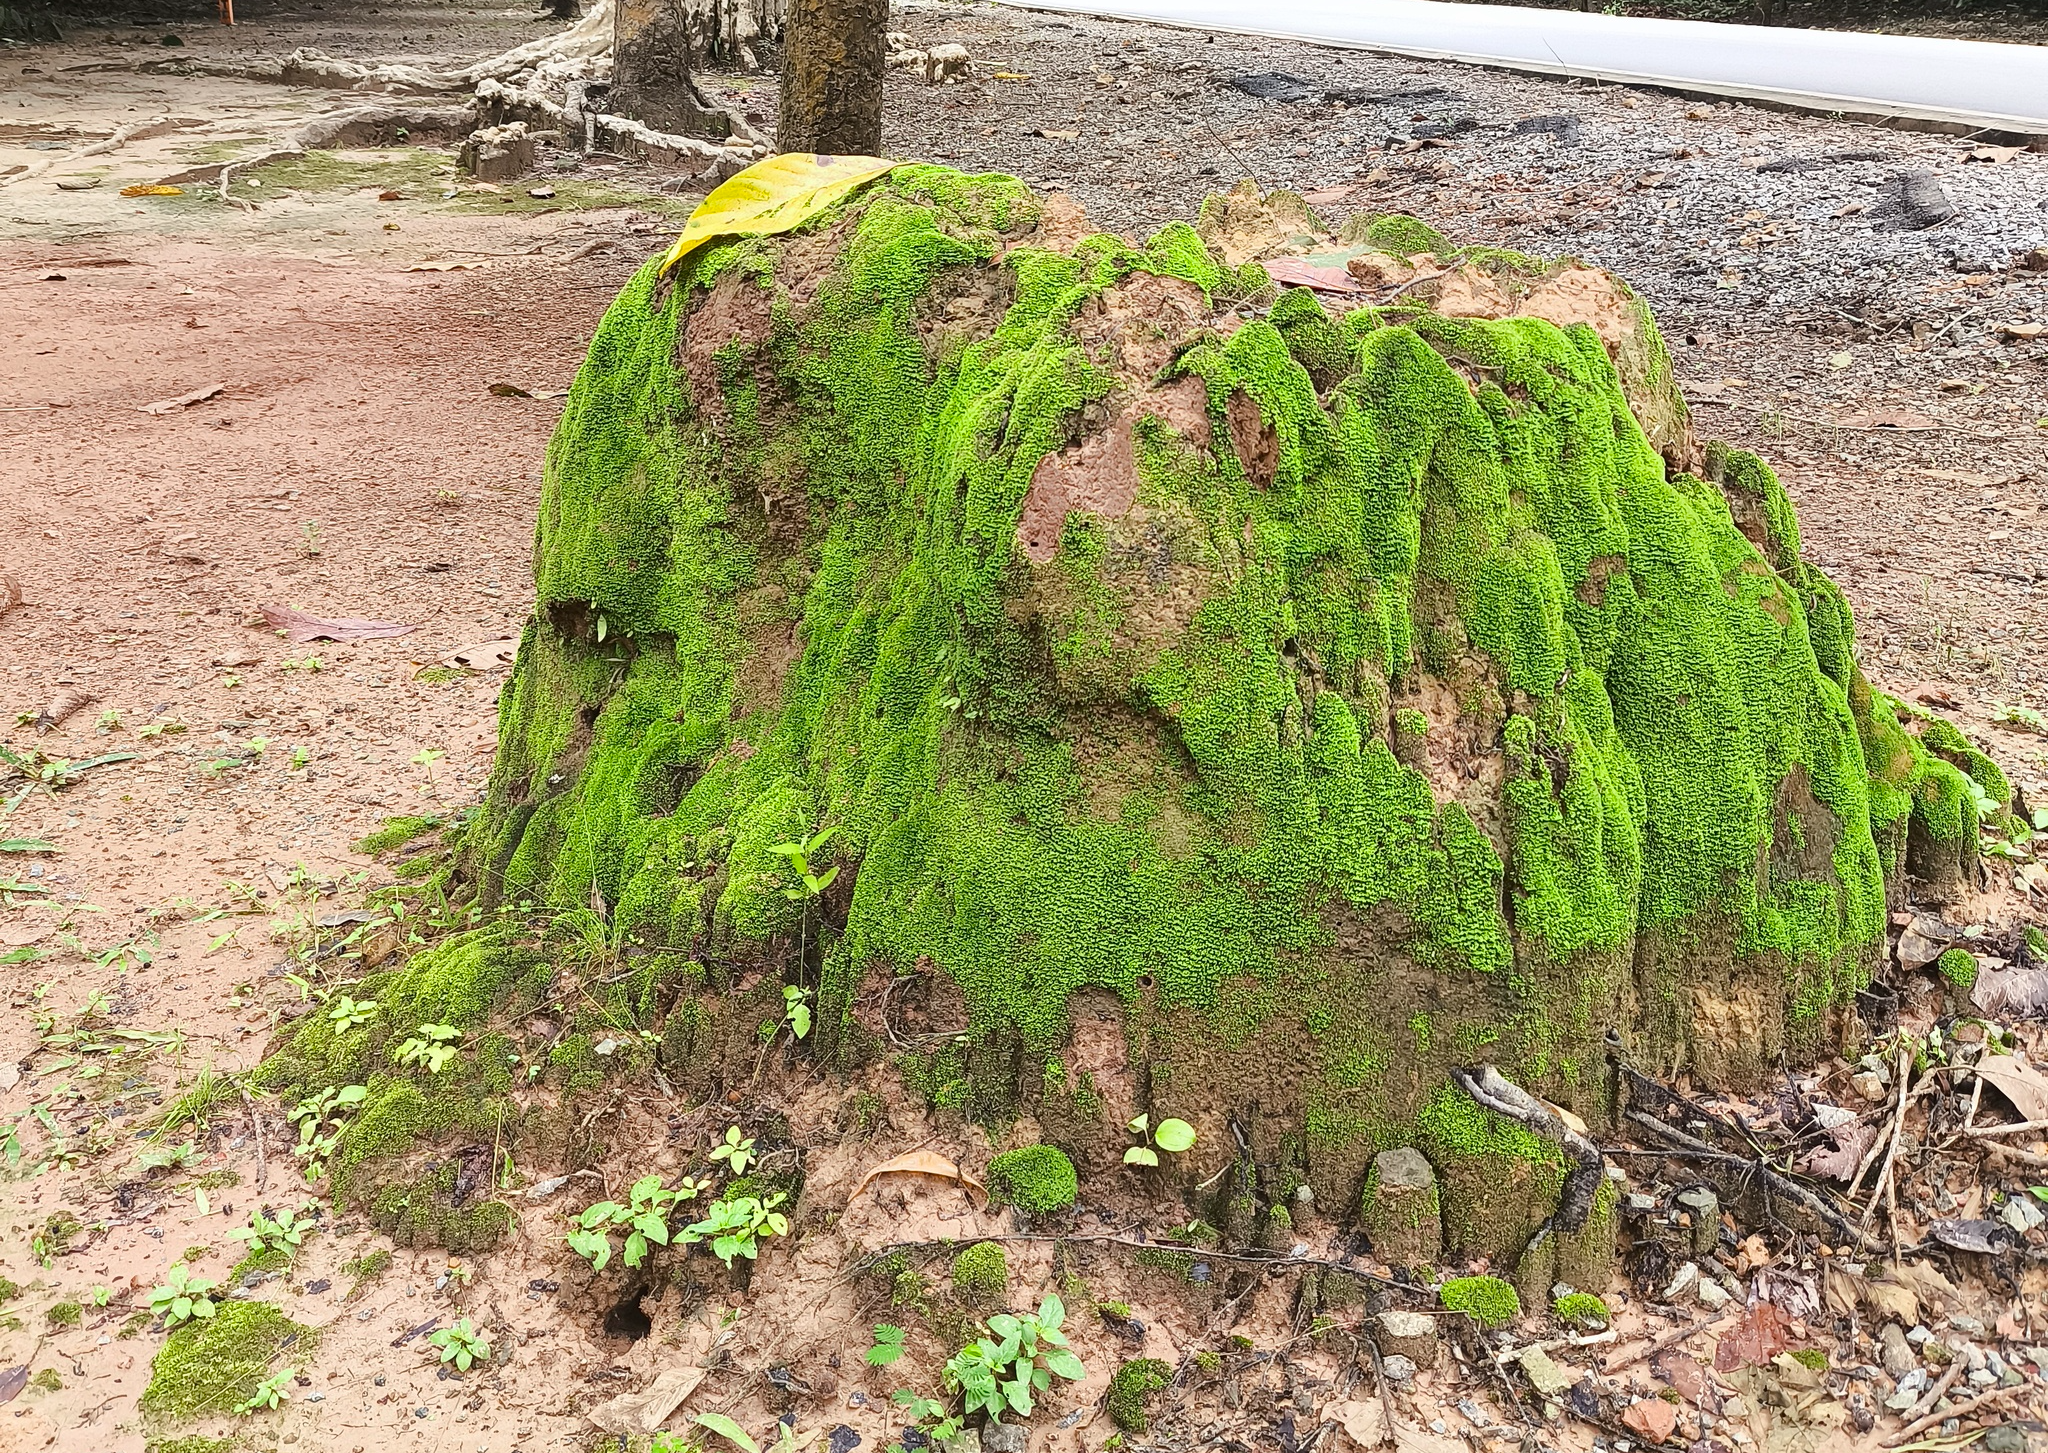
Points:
(1000, 1372)
(645, 1217)
(270, 1393)
(796, 1010)
(1171, 1136)
(183, 1296)
(263, 1233)
(735, 1151)
(736, 1226)
(888, 1345)
(168, 1157)
(462, 1345)
(433, 1047)
(928, 1415)
(810, 883)
(346, 1013)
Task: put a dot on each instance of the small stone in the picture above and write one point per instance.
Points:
(1973, 1357)
(1713, 1296)
(1472, 1413)
(1704, 1208)
(419, 1412)
(1406, 1334)
(1401, 1213)
(1918, 1335)
(1868, 1085)
(1968, 1326)
(1899, 1401)
(1682, 1284)
(1004, 1438)
(2005, 1438)
(1546, 1376)
(2022, 1213)
(1982, 1377)
(378, 1379)
(1734, 1407)
(2009, 1378)
(1895, 1352)
(1398, 1369)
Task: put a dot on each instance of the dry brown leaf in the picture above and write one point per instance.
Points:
(485, 655)
(923, 1163)
(152, 189)
(2022, 1084)
(1992, 153)
(1364, 1421)
(1325, 196)
(642, 1413)
(301, 627)
(2010, 992)
(448, 266)
(1761, 1335)
(1687, 1378)
(2022, 331)
(1838, 1162)
(1653, 1420)
(1903, 419)
(1294, 272)
(182, 401)
(63, 704)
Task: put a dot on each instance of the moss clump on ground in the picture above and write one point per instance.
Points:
(1959, 967)
(8, 1290)
(213, 1365)
(1488, 1300)
(396, 832)
(191, 1443)
(64, 1314)
(47, 1381)
(1580, 1307)
(981, 1275)
(1812, 1357)
(1038, 1179)
(1132, 1388)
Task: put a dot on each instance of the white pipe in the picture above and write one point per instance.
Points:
(1955, 84)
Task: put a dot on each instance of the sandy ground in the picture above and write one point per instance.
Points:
(354, 463)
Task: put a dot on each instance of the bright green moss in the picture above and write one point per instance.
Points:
(190, 1443)
(1034, 1178)
(1812, 1357)
(1490, 1301)
(1580, 1307)
(1959, 967)
(396, 832)
(8, 1290)
(981, 1274)
(1131, 1388)
(47, 1381)
(63, 1314)
(210, 1366)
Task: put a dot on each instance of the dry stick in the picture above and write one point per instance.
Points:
(1986, 1132)
(1695, 1149)
(256, 1134)
(1913, 1429)
(1884, 1174)
(1871, 1159)
(1668, 1340)
(1379, 1376)
(1935, 1393)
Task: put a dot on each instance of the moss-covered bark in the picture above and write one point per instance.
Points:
(1343, 696)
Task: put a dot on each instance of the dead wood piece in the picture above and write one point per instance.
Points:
(1664, 1343)
(1961, 1410)
(1495, 1092)
(1699, 1150)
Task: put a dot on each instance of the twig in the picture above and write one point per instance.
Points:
(1884, 1174)
(1960, 1410)
(1934, 1394)
(1695, 1149)
(1668, 1340)
(1379, 1376)
(1515, 1354)
(256, 1134)
(1898, 1119)
(1985, 1132)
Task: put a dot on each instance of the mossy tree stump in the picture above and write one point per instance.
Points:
(1345, 694)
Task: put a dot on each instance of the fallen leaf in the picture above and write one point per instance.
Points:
(1963, 476)
(772, 197)
(540, 194)
(1364, 1421)
(60, 706)
(182, 401)
(1838, 1161)
(508, 391)
(2010, 992)
(1058, 135)
(2022, 331)
(12, 1381)
(1687, 1378)
(152, 189)
(301, 627)
(485, 655)
(446, 266)
(1992, 153)
(1325, 196)
(923, 1163)
(1760, 1335)
(1987, 1238)
(1293, 272)
(1840, 360)
(1653, 1420)
(638, 1414)
(387, 196)
(2022, 1084)
(2031, 877)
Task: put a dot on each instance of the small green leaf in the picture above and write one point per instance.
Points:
(726, 1428)
(1141, 1155)
(1139, 1125)
(1174, 1135)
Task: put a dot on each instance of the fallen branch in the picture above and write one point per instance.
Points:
(1664, 1343)
(256, 1134)
(154, 126)
(1491, 1090)
(1792, 1190)
(1938, 1391)
(1961, 1410)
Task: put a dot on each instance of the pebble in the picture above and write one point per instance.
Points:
(1982, 1377)
(1968, 1326)
(1688, 1275)
(1918, 1335)
(1896, 1353)
(1398, 1368)
(1713, 1296)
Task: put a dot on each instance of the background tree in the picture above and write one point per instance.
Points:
(832, 77)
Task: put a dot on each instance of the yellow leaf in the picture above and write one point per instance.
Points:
(152, 189)
(772, 196)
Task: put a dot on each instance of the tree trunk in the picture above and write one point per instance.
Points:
(734, 33)
(832, 56)
(1320, 729)
(651, 69)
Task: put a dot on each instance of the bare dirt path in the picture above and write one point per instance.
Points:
(355, 464)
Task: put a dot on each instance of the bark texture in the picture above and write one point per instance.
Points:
(651, 69)
(832, 57)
